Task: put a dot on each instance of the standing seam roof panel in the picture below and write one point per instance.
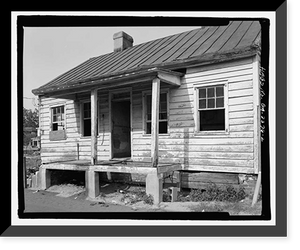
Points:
(145, 56)
(234, 39)
(210, 41)
(170, 47)
(191, 50)
(229, 34)
(100, 60)
(152, 57)
(138, 56)
(176, 47)
(108, 68)
(79, 74)
(250, 35)
(191, 42)
(131, 58)
(242, 36)
(107, 65)
(225, 36)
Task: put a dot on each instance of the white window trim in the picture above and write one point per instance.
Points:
(81, 117)
(51, 116)
(196, 108)
(149, 92)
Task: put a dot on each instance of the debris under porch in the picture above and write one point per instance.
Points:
(154, 175)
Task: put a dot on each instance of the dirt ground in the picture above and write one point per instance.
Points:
(67, 194)
(117, 197)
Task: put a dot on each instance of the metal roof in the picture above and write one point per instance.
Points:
(167, 52)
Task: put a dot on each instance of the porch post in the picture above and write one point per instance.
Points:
(155, 121)
(94, 124)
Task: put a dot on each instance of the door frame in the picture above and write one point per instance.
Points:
(111, 92)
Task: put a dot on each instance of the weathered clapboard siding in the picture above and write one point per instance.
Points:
(228, 152)
(233, 152)
(75, 145)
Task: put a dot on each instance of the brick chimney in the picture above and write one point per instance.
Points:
(122, 41)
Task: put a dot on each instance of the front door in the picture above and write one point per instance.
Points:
(121, 128)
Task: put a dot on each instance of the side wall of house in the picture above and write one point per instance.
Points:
(233, 152)
(74, 145)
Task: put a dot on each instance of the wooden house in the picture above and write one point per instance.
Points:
(187, 102)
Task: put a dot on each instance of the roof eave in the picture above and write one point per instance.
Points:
(127, 77)
(148, 71)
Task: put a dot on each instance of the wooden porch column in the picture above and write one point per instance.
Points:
(94, 124)
(155, 121)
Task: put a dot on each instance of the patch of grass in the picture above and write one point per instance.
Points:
(215, 193)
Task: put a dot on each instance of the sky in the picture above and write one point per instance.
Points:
(51, 51)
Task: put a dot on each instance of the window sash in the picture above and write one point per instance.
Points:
(86, 118)
(219, 93)
(210, 95)
(57, 118)
(163, 112)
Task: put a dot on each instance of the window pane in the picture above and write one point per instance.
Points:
(219, 91)
(60, 126)
(149, 117)
(87, 127)
(148, 103)
(202, 93)
(220, 102)
(163, 127)
(211, 120)
(163, 97)
(54, 111)
(163, 107)
(211, 103)
(163, 116)
(54, 126)
(54, 118)
(202, 104)
(148, 128)
(210, 92)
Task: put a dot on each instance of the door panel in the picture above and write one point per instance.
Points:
(121, 129)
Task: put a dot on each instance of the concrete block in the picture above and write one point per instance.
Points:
(154, 187)
(43, 178)
(34, 184)
(174, 193)
(92, 183)
(29, 182)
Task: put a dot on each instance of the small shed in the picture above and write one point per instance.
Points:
(187, 102)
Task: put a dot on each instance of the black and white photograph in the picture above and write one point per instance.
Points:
(146, 119)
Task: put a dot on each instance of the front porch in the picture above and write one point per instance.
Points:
(120, 130)
(154, 179)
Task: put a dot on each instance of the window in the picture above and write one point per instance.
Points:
(86, 117)
(58, 118)
(211, 114)
(163, 113)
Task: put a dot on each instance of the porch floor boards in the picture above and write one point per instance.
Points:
(114, 165)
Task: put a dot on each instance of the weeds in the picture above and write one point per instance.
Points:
(137, 196)
(215, 193)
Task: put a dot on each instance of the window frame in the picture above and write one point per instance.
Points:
(52, 107)
(82, 102)
(145, 119)
(197, 109)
